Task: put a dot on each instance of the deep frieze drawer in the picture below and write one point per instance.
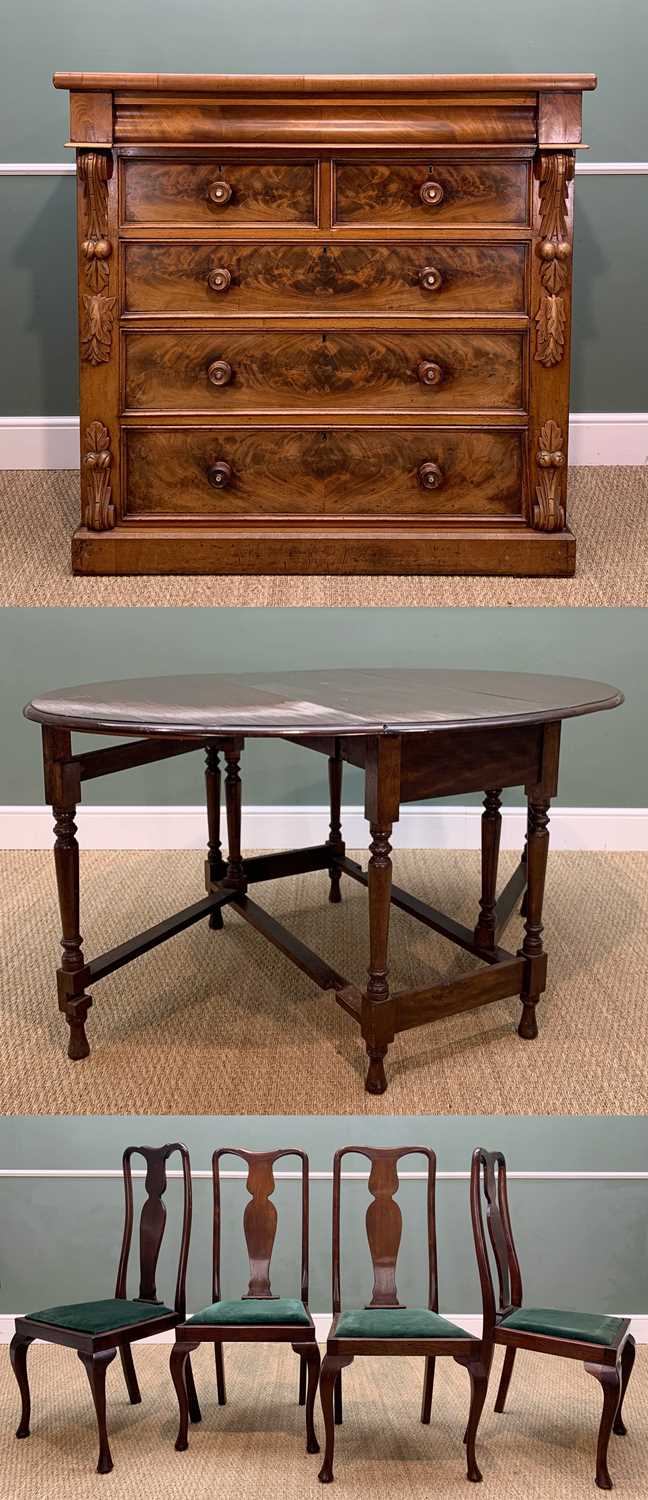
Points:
(247, 472)
(226, 277)
(431, 192)
(213, 192)
(372, 371)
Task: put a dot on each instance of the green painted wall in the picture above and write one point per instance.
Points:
(604, 757)
(36, 214)
(553, 1221)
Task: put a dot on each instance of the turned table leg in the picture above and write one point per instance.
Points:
(532, 947)
(235, 873)
(66, 860)
(377, 1011)
(214, 863)
(335, 840)
(491, 828)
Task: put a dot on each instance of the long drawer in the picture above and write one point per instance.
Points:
(228, 193)
(260, 277)
(368, 471)
(359, 370)
(431, 192)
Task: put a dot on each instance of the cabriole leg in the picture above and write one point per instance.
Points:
(331, 1366)
(18, 1356)
(96, 1366)
(609, 1377)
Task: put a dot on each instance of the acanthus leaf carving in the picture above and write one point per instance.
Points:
(95, 170)
(555, 172)
(98, 509)
(96, 327)
(548, 511)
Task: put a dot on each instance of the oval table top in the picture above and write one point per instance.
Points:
(339, 701)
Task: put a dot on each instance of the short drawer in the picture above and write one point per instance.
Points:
(369, 371)
(209, 192)
(368, 471)
(229, 277)
(429, 193)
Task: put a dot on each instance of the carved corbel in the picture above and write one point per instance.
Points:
(98, 510)
(97, 309)
(548, 511)
(555, 172)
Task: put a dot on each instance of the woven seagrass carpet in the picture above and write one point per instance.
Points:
(608, 510)
(221, 1023)
(543, 1446)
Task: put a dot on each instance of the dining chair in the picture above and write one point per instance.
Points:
(259, 1316)
(385, 1327)
(603, 1343)
(98, 1329)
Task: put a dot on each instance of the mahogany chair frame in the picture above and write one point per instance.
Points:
(259, 1227)
(610, 1364)
(96, 1351)
(384, 1228)
(398, 768)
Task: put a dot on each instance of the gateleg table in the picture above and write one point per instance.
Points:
(416, 734)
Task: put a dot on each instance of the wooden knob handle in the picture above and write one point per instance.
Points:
(430, 279)
(429, 373)
(219, 372)
(219, 279)
(430, 476)
(431, 193)
(220, 192)
(220, 474)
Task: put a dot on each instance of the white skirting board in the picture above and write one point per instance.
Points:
(471, 1322)
(620, 829)
(606, 438)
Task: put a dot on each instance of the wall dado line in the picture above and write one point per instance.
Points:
(604, 1207)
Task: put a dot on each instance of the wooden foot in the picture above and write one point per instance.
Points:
(491, 827)
(428, 1387)
(331, 1366)
(609, 1377)
(219, 1360)
(126, 1357)
(505, 1378)
(309, 1360)
(180, 1355)
(18, 1356)
(76, 1013)
(627, 1362)
(96, 1366)
(376, 1079)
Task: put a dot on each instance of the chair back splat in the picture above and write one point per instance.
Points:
(259, 1219)
(488, 1182)
(384, 1221)
(153, 1222)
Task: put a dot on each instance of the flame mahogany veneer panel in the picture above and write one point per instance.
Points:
(340, 471)
(259, 277)
(335, 371)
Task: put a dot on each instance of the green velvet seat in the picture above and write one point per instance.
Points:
(254, 1311)
(396, 1323)
(101, 1317)
(589, 1328)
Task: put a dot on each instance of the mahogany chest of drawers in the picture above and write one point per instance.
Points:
(324, 322)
